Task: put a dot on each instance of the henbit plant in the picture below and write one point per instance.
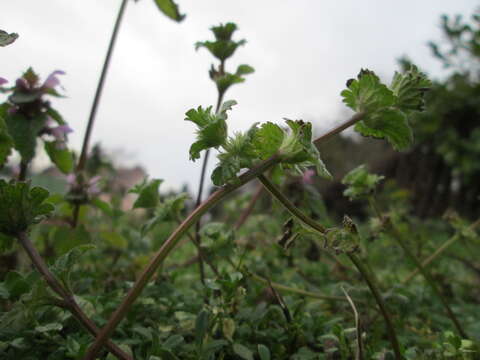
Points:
(361, 185)
(222, 48)
(27, 116)
(20, 208)
(24, 118)
(382, 112)
(264, 147)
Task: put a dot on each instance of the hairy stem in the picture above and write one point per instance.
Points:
(291, 290)
(22, 176)
(359, 354)
(175, 237)
(101, 82)
(381, 304)
(98, 94)
(68, 300)
(439, 251)
(369, 278)
(200, 194)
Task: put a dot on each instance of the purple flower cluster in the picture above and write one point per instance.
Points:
(27, 93)
(80, 185)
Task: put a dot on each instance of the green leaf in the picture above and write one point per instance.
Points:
(226, 80)
(268, 139)
(6, 38)
(386, 109)
(66, 238)
(244, 69)
(21, 207)
(237, 153)
(212, 128)
(263, 352)
(298, 150)
(170, 9)
(224, 32)
(103, 206)
(24, 132)
(16, 285)
(360, 183)
(60, 156)
(6, 242)
(21, 97)
(390, 124)
(64, 264)
(228, 328)
(168, 210)
(114, 239)
(223, 47)
(6, 142)
(148, 195)
(367, 93)
(409, 89)
(222, 50)
(55, 115)
(242, 351)
(201, 326)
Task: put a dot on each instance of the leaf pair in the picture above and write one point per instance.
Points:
(212, 128)
(21, 206)
(165, 210)
(294, 146)
(223, 47)
(360, 183)
(387, 108)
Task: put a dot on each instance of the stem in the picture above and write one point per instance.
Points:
(381, 304)
(288, 289)
(291, 208)
(369, 279)
(354, 119)
(439, 251)
(98, 94)
(175, 237)
(201, 255)
(200, 193)
(22, 176)
(101, 82)
(68, 299)
(426, 274)
(359, 354)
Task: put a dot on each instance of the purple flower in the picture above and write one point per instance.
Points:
(3, 81)
(60, 132)
(91, 187)
(22, 84)
(308, 176)
(52, 80)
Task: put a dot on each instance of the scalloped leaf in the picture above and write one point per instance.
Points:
(170, 9)
(21, 206)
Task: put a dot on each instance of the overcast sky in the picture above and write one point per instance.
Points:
(303, 52)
